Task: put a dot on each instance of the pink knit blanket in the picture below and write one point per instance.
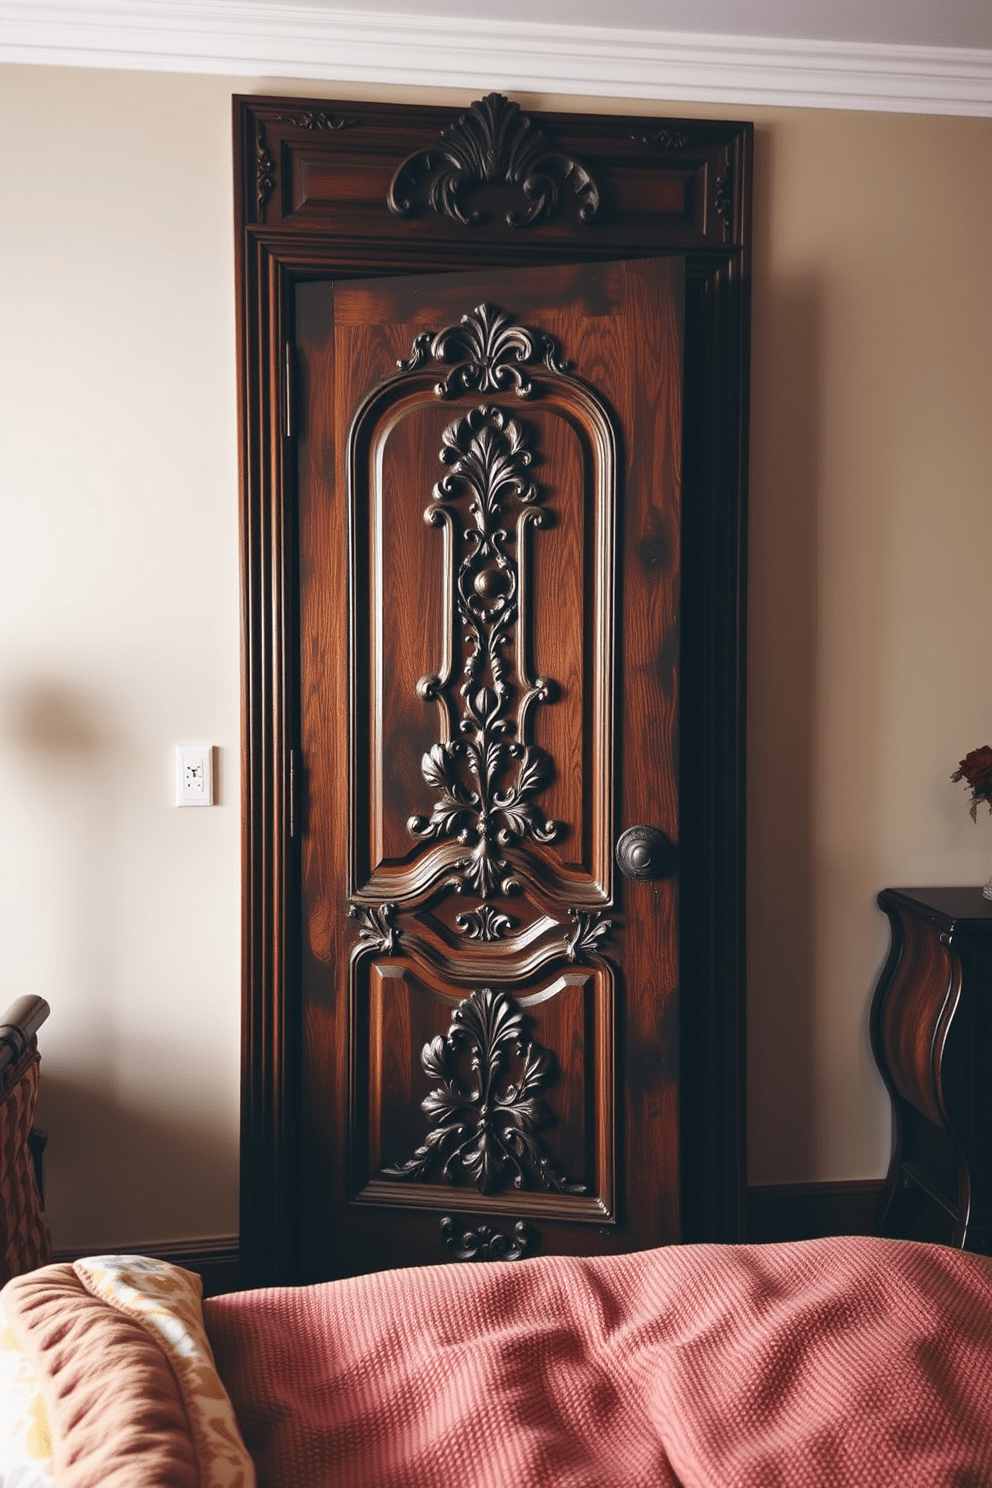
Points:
(827, 1364)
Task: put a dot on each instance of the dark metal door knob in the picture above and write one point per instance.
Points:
(644, 852)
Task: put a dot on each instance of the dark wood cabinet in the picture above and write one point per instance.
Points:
(931, 1031)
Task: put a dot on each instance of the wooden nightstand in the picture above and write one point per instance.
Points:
(931, 1030)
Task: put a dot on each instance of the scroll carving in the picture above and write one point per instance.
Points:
(664, 139)
(723, 199)
(486, 1244)
(376, 930)
(494, 143)
(588, 930)
(484, 923)
(317, 119)
(486, 773)
(488, 776)
(494, 351)
(265, 167)
(486, 1108)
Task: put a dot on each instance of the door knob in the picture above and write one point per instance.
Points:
(644, 852)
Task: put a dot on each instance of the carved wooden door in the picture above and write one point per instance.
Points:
(488, 484)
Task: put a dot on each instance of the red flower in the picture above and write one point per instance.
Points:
(976, 769)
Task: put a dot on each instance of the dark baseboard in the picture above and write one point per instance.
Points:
(775, 1211)
(214, 1259)
(809, 1211)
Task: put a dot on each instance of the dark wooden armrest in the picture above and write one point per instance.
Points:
(19, 1029)
(25, 1241)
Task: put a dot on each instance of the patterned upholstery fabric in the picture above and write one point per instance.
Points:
(25, 1241)
(116, 1368)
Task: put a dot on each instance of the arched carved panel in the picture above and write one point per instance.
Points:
(522, 492)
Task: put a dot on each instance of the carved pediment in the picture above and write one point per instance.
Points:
(493, 144)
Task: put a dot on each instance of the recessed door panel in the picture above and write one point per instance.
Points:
(503, 1115)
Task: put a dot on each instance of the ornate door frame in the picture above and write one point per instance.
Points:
(337, 189)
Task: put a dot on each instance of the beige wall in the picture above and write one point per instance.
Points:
(871, 535)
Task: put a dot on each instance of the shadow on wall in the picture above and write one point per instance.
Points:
(782, 660)
(55, 724)
(116, 1178)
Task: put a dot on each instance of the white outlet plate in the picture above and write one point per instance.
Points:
(194, 775)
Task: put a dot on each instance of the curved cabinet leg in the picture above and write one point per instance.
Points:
(931, 1043)
(893, 1178)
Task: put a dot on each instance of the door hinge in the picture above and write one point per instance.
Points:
(289, 390)
(293, 792)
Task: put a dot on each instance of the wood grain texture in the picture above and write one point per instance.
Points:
(311, 210)
(564, 458)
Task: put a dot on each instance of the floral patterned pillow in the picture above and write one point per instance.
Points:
(77, 1389)
(25, 1440)
(165, 1299)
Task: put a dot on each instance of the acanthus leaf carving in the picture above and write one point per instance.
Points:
(490, 352)
(485, 923)
(494, 143)
(588, 930)
(487, 777)
(485, 769)
(376, 930)
(723, 198)
(485, 1243)
(664, 139)
(265, 178)
(486, 1108)
(317, 119)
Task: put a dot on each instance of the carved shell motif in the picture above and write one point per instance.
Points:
(494, 143)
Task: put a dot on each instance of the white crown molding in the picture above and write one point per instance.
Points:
(248, 38)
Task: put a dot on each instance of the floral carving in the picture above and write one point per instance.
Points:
(487, 778)
(723, 199)
(316, 119)
(484, 923)
(486, 1244)
(587, 931)
(485, 1109)
(376, 931)
(494, 143)
(265, 168)
(664, 139)
(494, 351)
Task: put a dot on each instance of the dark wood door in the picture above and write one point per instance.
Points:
(334, 192)
(489, 489)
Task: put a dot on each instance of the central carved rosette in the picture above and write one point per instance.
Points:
(487, 778)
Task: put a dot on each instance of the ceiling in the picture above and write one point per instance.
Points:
(929, 23)
(912, 56)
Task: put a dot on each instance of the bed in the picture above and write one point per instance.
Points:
(828, 1362)
(818, 1364)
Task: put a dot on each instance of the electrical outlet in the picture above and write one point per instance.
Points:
(194, 775)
